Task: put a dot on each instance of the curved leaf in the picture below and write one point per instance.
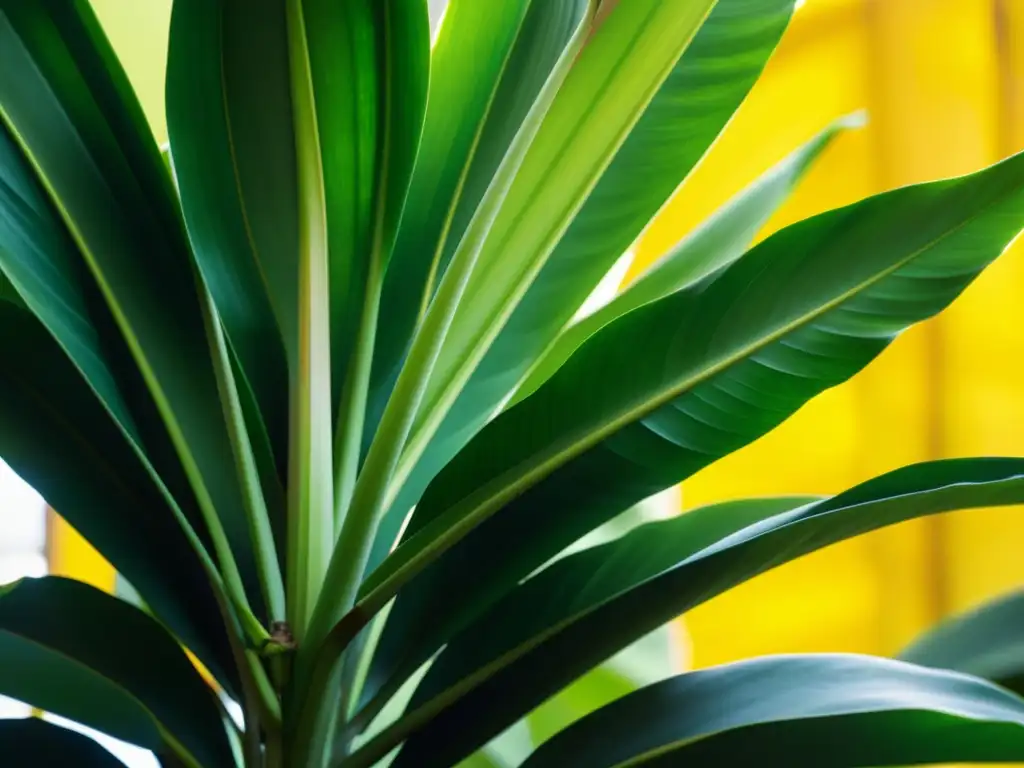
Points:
(693, 105)
(621, 599)
(718, 242)
(232, 145)
(61, 440)
(672, 386)
(73, 650)
(65, 98)
(825, 711)
(987, 642)
(519, 54)
(33, 742)
(573, 586)
(605, 92)
(510, 49)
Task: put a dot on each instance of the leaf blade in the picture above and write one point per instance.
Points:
(795, 711)
(987, 642)
(134, 683)
(761, 342)
(524, 676)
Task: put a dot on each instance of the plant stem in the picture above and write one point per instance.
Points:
(352, 410)
(260, 532)
(311, 509)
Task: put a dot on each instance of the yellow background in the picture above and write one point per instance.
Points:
(943, 81)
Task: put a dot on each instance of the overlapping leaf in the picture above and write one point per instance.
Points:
(582, 609)
(683, 381)
(65, 98)
(71, 650)
(688, 112)
(59, 438)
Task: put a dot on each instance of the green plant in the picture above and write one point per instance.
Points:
(236, 379)
(987, 641)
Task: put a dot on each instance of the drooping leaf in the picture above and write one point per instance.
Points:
(718, 242)
(60, 439)
(674, 385)
(32, 742)
(619, 599)
(74, 651)
(820, 711)
(66, 99)
(987, 642)
(690, 109)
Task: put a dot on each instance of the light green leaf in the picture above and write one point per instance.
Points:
(987, 642)
(674, 385)
(695, 102)
(467, 64)
(605, 92)
(74, 651)
(718, 242)
(825, 711)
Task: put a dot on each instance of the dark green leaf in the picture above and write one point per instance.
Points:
(815, 711)
(575, 585)
(987, 642)
(690, 109)
(66, 99)
(60, 439)
(715, 244)
(33, 743)
(229, 121)
(674, 385)
(621, 599)
(74, 651)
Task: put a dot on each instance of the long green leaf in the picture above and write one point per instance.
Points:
(586, 607)
(488, 65)
(676, 384)
(33, 742)
(60, 439)
(605, 92)
(66, 101)
(397, 34)
(987, 642)
(825, 711)
(229, 121)
(73, 650)
(690, 109)
(718, 242)
(383, 458)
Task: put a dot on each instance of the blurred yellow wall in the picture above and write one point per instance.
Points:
(943, 81)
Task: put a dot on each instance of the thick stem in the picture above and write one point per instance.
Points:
(257, 517)
(311, 507)
(352, 411)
